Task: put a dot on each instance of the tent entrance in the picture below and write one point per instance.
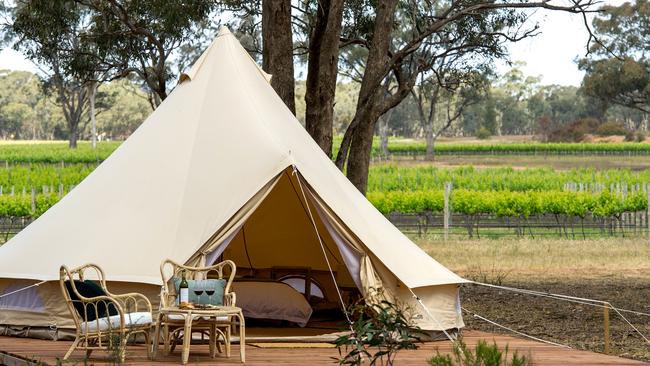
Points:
(276, 243)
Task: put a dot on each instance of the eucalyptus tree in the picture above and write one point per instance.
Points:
(618, 69)
(138, 37)
(82, 43)
(476, 29)
(441, 99)
(49, 34)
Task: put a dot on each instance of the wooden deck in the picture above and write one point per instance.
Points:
(47, 352)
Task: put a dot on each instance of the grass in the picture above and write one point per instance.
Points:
(54, 151)
(541, 258)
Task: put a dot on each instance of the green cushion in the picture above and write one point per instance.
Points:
(219, 286)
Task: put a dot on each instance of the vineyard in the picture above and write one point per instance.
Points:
(504, 200)
(57, 152)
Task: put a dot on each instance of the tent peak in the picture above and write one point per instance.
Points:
(224, 30)
(224, 35)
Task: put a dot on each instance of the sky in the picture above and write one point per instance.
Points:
(551, 54)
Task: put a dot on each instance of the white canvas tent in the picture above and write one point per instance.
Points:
(221, 156)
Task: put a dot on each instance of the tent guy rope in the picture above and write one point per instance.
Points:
(515, 331)
(22, 289)
(575, 299)
(417, 298)
(322, 246)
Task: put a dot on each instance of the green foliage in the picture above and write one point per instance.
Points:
(483, 355)
(625, 78)
(379, 332)
(28, 113)
(15, 206)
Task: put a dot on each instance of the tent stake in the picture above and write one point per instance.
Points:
(606, 327)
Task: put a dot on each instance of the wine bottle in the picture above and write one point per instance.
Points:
(184, 290)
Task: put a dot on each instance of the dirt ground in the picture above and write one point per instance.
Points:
(558, 162)
(577, 325)
(609, 269)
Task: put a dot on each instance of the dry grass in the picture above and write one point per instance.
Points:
(543, 259)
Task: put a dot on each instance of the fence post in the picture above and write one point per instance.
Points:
(33, 201)
(447, 209)
(647, 211)
(606, 327)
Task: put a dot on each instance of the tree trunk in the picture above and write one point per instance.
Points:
(383, 135)
(358, 138)
(74, 135)
(277, 51)
(429, 134)
(360, 150)
(92, 92)
(322, 71)
(430, 138)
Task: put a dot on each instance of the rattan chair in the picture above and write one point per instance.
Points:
(172, 326)
(104, 320)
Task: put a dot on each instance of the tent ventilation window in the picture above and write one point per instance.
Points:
(299, 283)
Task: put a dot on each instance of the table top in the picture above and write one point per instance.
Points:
(218, 310)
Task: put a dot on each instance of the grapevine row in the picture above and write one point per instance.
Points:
(382, 178)
(511, 204)
(498, 203)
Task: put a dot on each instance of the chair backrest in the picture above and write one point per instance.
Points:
(169, 270)
(68, 282)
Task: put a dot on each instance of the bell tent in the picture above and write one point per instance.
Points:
(220, 170)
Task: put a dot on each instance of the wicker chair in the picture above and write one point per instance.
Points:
(104, 320)
(220, 328)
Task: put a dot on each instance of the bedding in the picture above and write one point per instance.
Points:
(272, 300)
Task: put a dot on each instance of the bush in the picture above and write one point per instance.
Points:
(379, 332)
(483, 355)
(483, 133)
(613, 129)
(632, 136)
(575, 131)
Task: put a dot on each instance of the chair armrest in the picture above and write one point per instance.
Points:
(133, 302)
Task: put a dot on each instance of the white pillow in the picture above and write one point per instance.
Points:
(272, 300)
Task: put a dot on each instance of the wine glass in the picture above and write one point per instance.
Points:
(209, 290)
(198, 291)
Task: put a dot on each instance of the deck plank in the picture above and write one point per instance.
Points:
(542, 354)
